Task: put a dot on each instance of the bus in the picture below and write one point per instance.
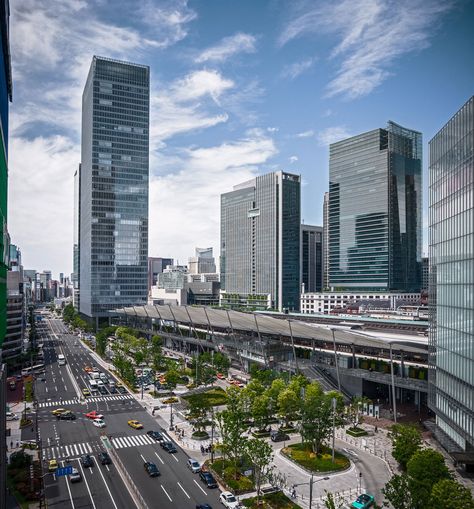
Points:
(61, 359)
(36, 369)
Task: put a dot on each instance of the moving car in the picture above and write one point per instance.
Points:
(168, 447)
(75, 476)
(203, 506)
(135, 424)
(66, 416)
(88, 369)
(194, 465)
(102, 390)
(99, 423)
(86, 392)
(86, 461)
(52, 465)
(59, 411)
(104, 458)
(208, 479)
(228, 500)
(278, 436)
(94, 415)
(156, 435)
(151, 469)
(363, 501)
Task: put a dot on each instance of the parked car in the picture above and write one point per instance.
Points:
(168, 447)
(86, 461)
(75, 476)
(12, 417)
(278, 436)
(194, 465)
(363, 501)
(151, 469)
(228, 500)
(156, 435)
(208, 479)
(104, 458)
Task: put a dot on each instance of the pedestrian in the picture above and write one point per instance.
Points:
(202, 449)
(376, 429)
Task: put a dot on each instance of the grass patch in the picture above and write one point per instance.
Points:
(212, 397)
(29, 390)
(260, 434)
(271, 501)
(304, 456)
(356, 432)
(231, 477)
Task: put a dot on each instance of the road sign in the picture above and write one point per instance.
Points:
(63, 471)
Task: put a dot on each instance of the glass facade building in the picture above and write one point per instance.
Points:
(374, 211)
(113, 235)
(451, 254)
(312, 257)
(260, 239)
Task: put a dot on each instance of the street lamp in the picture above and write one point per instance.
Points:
(311, 482)
(171, 417)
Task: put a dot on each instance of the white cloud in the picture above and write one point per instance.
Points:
(201, 83)
(332, 134)
(372, 34)
(305, 134)
(206, 173)
(228, 47)
(295, 69)
(273, 129)
(293, 159)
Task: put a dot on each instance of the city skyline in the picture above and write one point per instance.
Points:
(229, 101)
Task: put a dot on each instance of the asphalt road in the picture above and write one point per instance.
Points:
(103, 486)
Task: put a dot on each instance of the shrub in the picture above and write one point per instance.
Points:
(356, 432)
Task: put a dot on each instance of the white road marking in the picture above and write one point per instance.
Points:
(184, 491)
(162, 462)
(166, 493)
(87, 484)
(106, 485)
(174, 456)
(68, 488)
(141, 456)
(194, 480)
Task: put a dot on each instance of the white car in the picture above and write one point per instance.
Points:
(228, 500)
(194, 466)
(12, 417)
(98, 423)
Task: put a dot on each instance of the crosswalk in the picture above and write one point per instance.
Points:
(134, 441)
(70, 451)
(116, 397)
(57, 403)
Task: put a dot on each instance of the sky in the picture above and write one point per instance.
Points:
(238, 89)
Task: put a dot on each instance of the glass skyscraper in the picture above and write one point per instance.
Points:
(312, 257)
(113, 236)
(451, 254)
(260, 239)
(374, 211)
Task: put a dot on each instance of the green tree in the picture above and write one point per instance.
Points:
(406, 440)
(101, 339)
(172, 378)
(260, 455)
(424, 469)
(199, 412)
(289, 404)
(156, 353)
(397, 492)
(334, 501)
(449, 494)
(69, 313)
(261, 411)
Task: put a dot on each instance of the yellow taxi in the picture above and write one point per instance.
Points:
(59, 411)
(86, 392)
(53, 465)
(135, 424)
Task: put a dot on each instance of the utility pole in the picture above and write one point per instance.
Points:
(171, 417)
(333, 426)
(212, 435)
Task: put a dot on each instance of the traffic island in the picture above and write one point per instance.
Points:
(356, 432)
(271, 501)
(232, 477)
(303, 455)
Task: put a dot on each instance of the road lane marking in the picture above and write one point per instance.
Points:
(194, 480)
(184, 491)
(87, 484)
(68, 488)
(106, 485)
(162, 462)
(166, 493)
(174, 456)
(141, 456)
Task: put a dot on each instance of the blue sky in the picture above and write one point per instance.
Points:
(238, 89)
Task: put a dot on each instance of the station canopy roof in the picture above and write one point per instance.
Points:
(228, 320)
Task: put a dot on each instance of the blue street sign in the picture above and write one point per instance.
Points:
(63, 471)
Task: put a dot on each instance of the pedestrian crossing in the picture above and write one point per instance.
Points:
(115, 397)
(134, 441)
(59, 403)
(70, 451)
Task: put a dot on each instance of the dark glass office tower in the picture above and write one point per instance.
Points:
(375, 211)
(260, 239)
(451, 255)
(114, 187)
(312, 257)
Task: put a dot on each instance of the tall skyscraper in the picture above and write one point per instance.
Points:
(326, 241)
(113, 236)
(311, 257)
(203, 262)
(375, 211)
(451, 255)
(156, 266)
(260, 239)
(76, 228)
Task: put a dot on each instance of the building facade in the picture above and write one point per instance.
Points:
(311, 258)
(75, 276)
(113, 235)
(375, 211)
(156, 266)
(202, 262)
(326, 241)
(451, 254)
(16, 312)
(260, 241)
(425, 274)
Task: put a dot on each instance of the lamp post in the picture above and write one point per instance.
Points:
(334, 403)
(171, 417)
(311, 482)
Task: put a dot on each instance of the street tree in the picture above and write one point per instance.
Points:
(261, 411)
(260, 455)
(334, 501)
(406, 440)
(397, 493)
(354, 410)
(199, 412)
(289, 404)
(449, 494)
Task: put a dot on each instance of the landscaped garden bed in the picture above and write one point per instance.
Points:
(231, 477)
(200, 435)
(271, 501)
(213, 397)
(303, 455)
(356, 432)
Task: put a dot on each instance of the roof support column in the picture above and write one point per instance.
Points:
(336, 360)
(293, 347)
(394, 399)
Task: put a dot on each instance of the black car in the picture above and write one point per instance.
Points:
(156, 435)
(122, 390)
(279, 436)
(112, 390)
(151, 469)
(203, 506)
(102, 389)
(66, 416)
(168, 447)
(86, 461)
(104, 458)
(208, 479)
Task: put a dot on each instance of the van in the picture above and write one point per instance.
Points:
(100, 383)
(94, 375)
(104, 378)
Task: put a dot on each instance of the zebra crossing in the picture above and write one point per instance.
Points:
(70, 451)
(117, 397)
(134, 441)
(58, 403)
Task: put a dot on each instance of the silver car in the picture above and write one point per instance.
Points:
(194, 466)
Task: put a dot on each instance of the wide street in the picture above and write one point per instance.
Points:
(64, 440)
